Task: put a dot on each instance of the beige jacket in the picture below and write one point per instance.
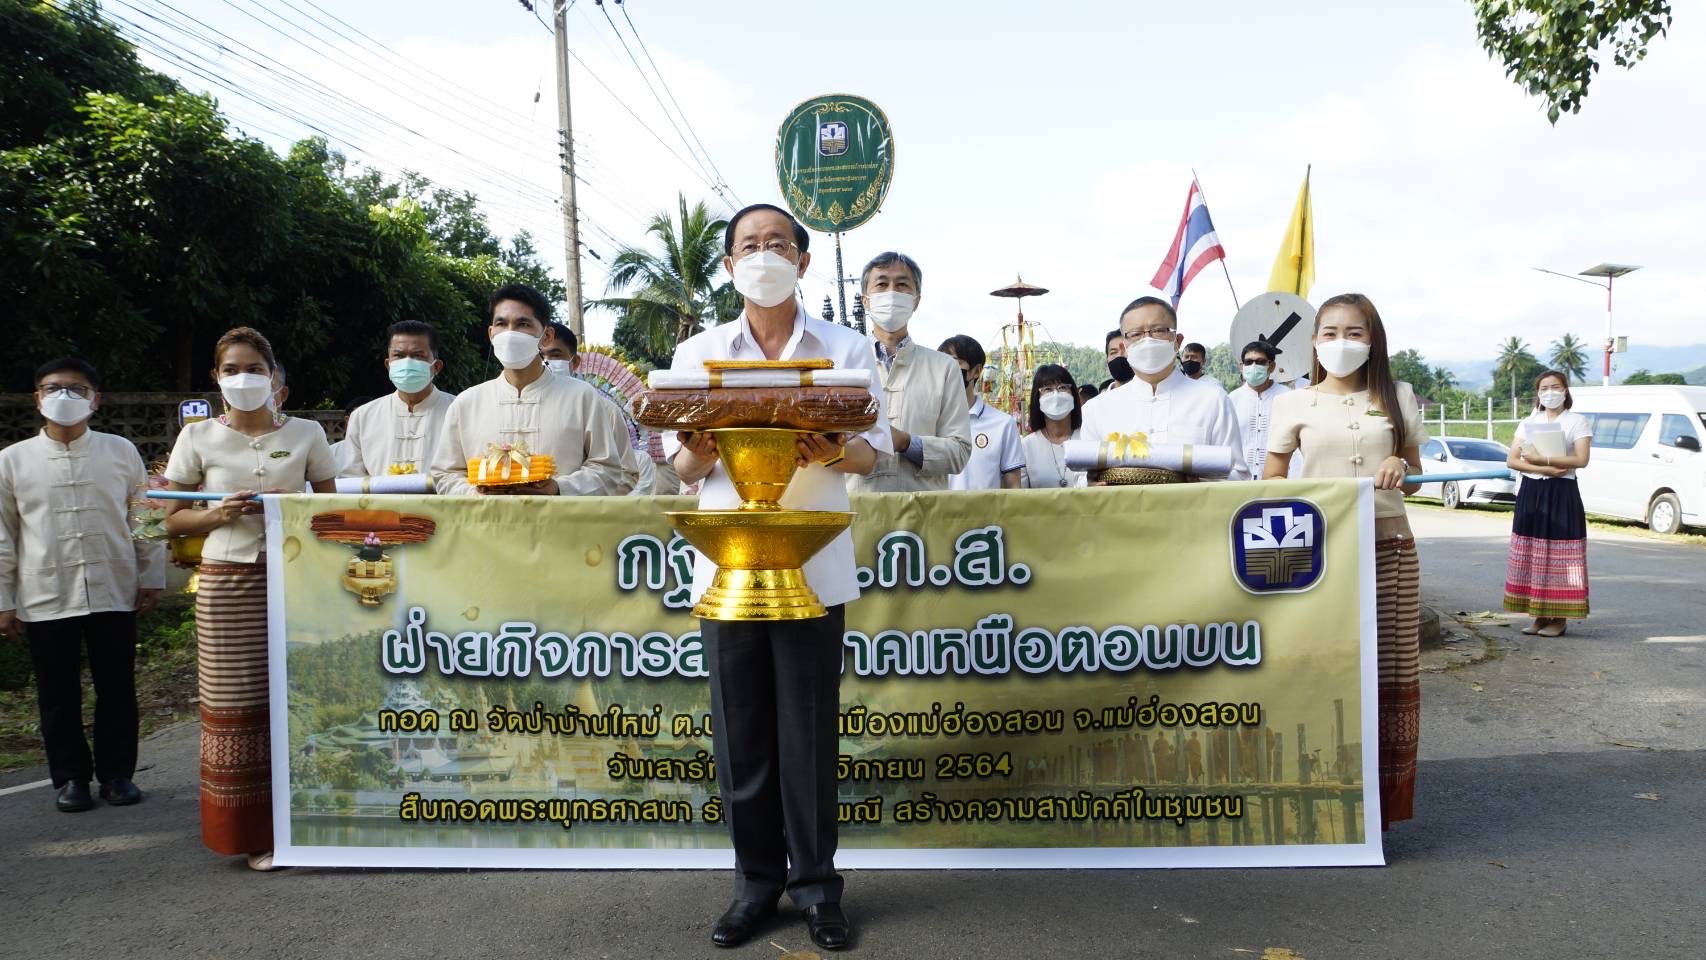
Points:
(926, 397)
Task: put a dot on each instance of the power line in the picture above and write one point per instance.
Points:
(653, 91)
(642, 123)
(689, 123)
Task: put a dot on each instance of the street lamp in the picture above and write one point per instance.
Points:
(1610, 271)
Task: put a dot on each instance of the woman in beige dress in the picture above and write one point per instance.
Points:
(1354, 420)
(249, 449)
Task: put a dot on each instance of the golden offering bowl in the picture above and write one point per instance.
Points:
(758, 557)
(760, 461)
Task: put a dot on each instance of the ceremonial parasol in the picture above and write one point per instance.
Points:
(1018, 359)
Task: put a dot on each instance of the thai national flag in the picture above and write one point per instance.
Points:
(1195, 246)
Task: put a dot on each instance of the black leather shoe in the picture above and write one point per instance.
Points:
(828, 926)
(740, 921)
(74, 797)
(120, 792)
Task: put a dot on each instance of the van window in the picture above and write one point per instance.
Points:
(1618, 431)
(1675, 426)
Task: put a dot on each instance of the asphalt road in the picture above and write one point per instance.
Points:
(1562, 803)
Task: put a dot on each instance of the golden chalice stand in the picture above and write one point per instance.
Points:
(759, 546)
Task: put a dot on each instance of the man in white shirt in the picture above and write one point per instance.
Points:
(72, 571)
(997, 460)
(557, 416)
(1160, 401)
(398, 433)
(1254, 403)
(775, 686)
(923, 392)
(563, 358)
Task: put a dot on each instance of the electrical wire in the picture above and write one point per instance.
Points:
(684, 119)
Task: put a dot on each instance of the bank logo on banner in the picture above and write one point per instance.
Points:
(1278, 546)
(832, 138)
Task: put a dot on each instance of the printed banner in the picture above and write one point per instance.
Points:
(1157, 676)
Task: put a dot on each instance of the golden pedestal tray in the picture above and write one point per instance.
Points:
(759, 548)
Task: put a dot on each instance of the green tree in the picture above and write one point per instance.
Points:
(1516, 367)
(1648, 378)
(1412, 368)
(674, 293)
(1551, 48)
(1569, 356)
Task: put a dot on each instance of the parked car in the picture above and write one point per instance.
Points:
(1465, 455)
(1646, 463)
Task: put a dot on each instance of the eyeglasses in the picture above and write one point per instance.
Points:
(72, 390)
(1152, 333)
(778, 247)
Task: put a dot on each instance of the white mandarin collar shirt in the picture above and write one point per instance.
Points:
(1176, 410)
(66, 548)
(1255, 412)
(831, 573)
(386, 437)
(924, 395)
(562, 417)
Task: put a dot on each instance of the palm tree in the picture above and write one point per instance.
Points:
(674, 294)
(1514, 361)
(1569, 355)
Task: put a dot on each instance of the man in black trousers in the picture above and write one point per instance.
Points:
(775, 686)
(72, 576)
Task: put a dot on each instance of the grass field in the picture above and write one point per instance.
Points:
(1502, 432)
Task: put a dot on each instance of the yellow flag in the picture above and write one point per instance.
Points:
(1294, 268)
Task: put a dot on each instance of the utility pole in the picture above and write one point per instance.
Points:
(571, 221)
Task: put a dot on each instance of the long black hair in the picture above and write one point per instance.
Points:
(1048, 375)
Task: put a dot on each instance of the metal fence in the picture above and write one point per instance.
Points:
(1439, 416)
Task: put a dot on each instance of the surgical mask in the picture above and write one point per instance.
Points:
(246, 391)
(562, 368)
(1191, 367)
(1120, 369)
(515, 349)
(1151, 356)
(890, 311)
(66, 410)
(766, 278)
(1255, 374)
(1056, 405)
(1341, 358)
(409, 374)
(1550, 399)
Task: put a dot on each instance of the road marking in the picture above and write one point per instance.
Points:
(20, 788)
(1697, 638)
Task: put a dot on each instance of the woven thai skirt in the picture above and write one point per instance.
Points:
(1547, 574)
(1398, 600)
(231, 670)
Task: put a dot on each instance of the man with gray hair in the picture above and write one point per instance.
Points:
(924, 393)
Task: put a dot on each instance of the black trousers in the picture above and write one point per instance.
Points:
(56, 646)
(775, 704)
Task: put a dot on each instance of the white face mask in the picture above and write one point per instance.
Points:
(515, 349)
(246, 391)
(766, 278)
(67, 411)
(1151, 356)
(1056, 405)
(1551, 399)
(562, 368)
(890, 311)
(1341, 358)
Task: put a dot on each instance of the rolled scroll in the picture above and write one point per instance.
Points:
(1195, 459)
(399, 483)
(720, 379)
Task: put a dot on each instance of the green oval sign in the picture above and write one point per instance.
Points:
(834, 160)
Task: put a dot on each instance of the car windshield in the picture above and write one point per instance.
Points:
(1477, 450)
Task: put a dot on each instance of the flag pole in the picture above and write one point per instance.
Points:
(1236, 303)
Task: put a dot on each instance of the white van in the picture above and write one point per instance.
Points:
(1646, 463)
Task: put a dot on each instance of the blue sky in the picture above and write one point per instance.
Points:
(1057, 141)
